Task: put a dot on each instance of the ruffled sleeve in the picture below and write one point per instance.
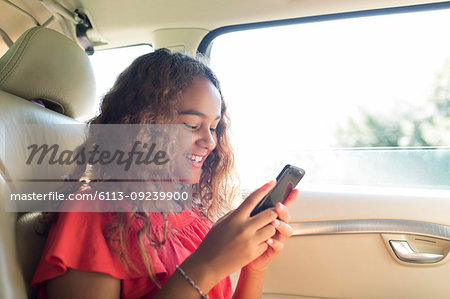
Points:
(77, 241)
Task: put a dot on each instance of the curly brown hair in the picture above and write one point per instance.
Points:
(147, 92)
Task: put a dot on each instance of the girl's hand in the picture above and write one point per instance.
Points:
(284, 231)
(235, 240)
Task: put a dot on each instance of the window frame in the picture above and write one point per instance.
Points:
(206, 43)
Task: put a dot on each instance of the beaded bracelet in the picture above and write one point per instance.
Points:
(202, 295)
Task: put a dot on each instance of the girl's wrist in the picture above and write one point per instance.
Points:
(201, 272)
(192, 283)
(248, 270)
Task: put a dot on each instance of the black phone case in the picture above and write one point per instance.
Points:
(294, 175)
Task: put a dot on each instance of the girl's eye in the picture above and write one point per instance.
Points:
(191, 127)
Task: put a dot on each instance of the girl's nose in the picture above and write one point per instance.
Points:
(207, 139)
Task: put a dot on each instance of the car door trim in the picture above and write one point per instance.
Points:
(371, 226)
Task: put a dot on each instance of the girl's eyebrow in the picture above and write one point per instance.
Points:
(196, 112)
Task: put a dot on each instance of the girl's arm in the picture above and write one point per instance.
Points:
(178, 287)
(252, 275)
(75, 284)
(233, 242)
(250, 284)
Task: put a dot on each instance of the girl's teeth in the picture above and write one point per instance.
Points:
(194, 158)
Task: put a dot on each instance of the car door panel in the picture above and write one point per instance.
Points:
(341, 247)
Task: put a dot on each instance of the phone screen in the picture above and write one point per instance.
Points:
(286, 182)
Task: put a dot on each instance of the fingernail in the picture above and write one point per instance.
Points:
(270, 184)
(270, 241)
(276, 222)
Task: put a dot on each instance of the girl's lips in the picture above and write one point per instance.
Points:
(196, 162)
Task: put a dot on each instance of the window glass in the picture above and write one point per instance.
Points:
(361, 101)
(108, 64)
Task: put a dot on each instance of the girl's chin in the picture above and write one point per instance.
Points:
(190, 175)
(191, 181)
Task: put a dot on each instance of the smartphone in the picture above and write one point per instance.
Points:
(286, 182)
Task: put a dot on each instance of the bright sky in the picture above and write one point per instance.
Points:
(288, 89)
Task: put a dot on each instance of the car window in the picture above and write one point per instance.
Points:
(108, 64)
(360, 101)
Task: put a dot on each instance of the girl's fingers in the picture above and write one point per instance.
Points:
(261, 248)
(253, 199)
(275, 244)
(283, 208)
(262, 219)
(282, 211)
(284, 230)
(265, 233)
(292, 197)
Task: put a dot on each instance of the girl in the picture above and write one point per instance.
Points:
(167, 255)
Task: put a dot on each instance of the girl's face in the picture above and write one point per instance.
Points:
(199, 111)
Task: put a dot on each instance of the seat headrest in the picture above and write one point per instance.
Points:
(44, 64)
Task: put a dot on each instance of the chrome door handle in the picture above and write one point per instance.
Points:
(405, 253)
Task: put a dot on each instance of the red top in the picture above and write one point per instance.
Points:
(77, 241)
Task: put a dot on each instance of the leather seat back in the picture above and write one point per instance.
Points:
(41, 65)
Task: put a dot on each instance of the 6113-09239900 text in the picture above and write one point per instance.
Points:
(101, 195)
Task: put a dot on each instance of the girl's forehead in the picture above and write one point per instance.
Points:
(201, 94)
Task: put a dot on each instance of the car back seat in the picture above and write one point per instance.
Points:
(41, 65)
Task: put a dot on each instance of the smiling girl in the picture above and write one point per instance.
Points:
(168, 255)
